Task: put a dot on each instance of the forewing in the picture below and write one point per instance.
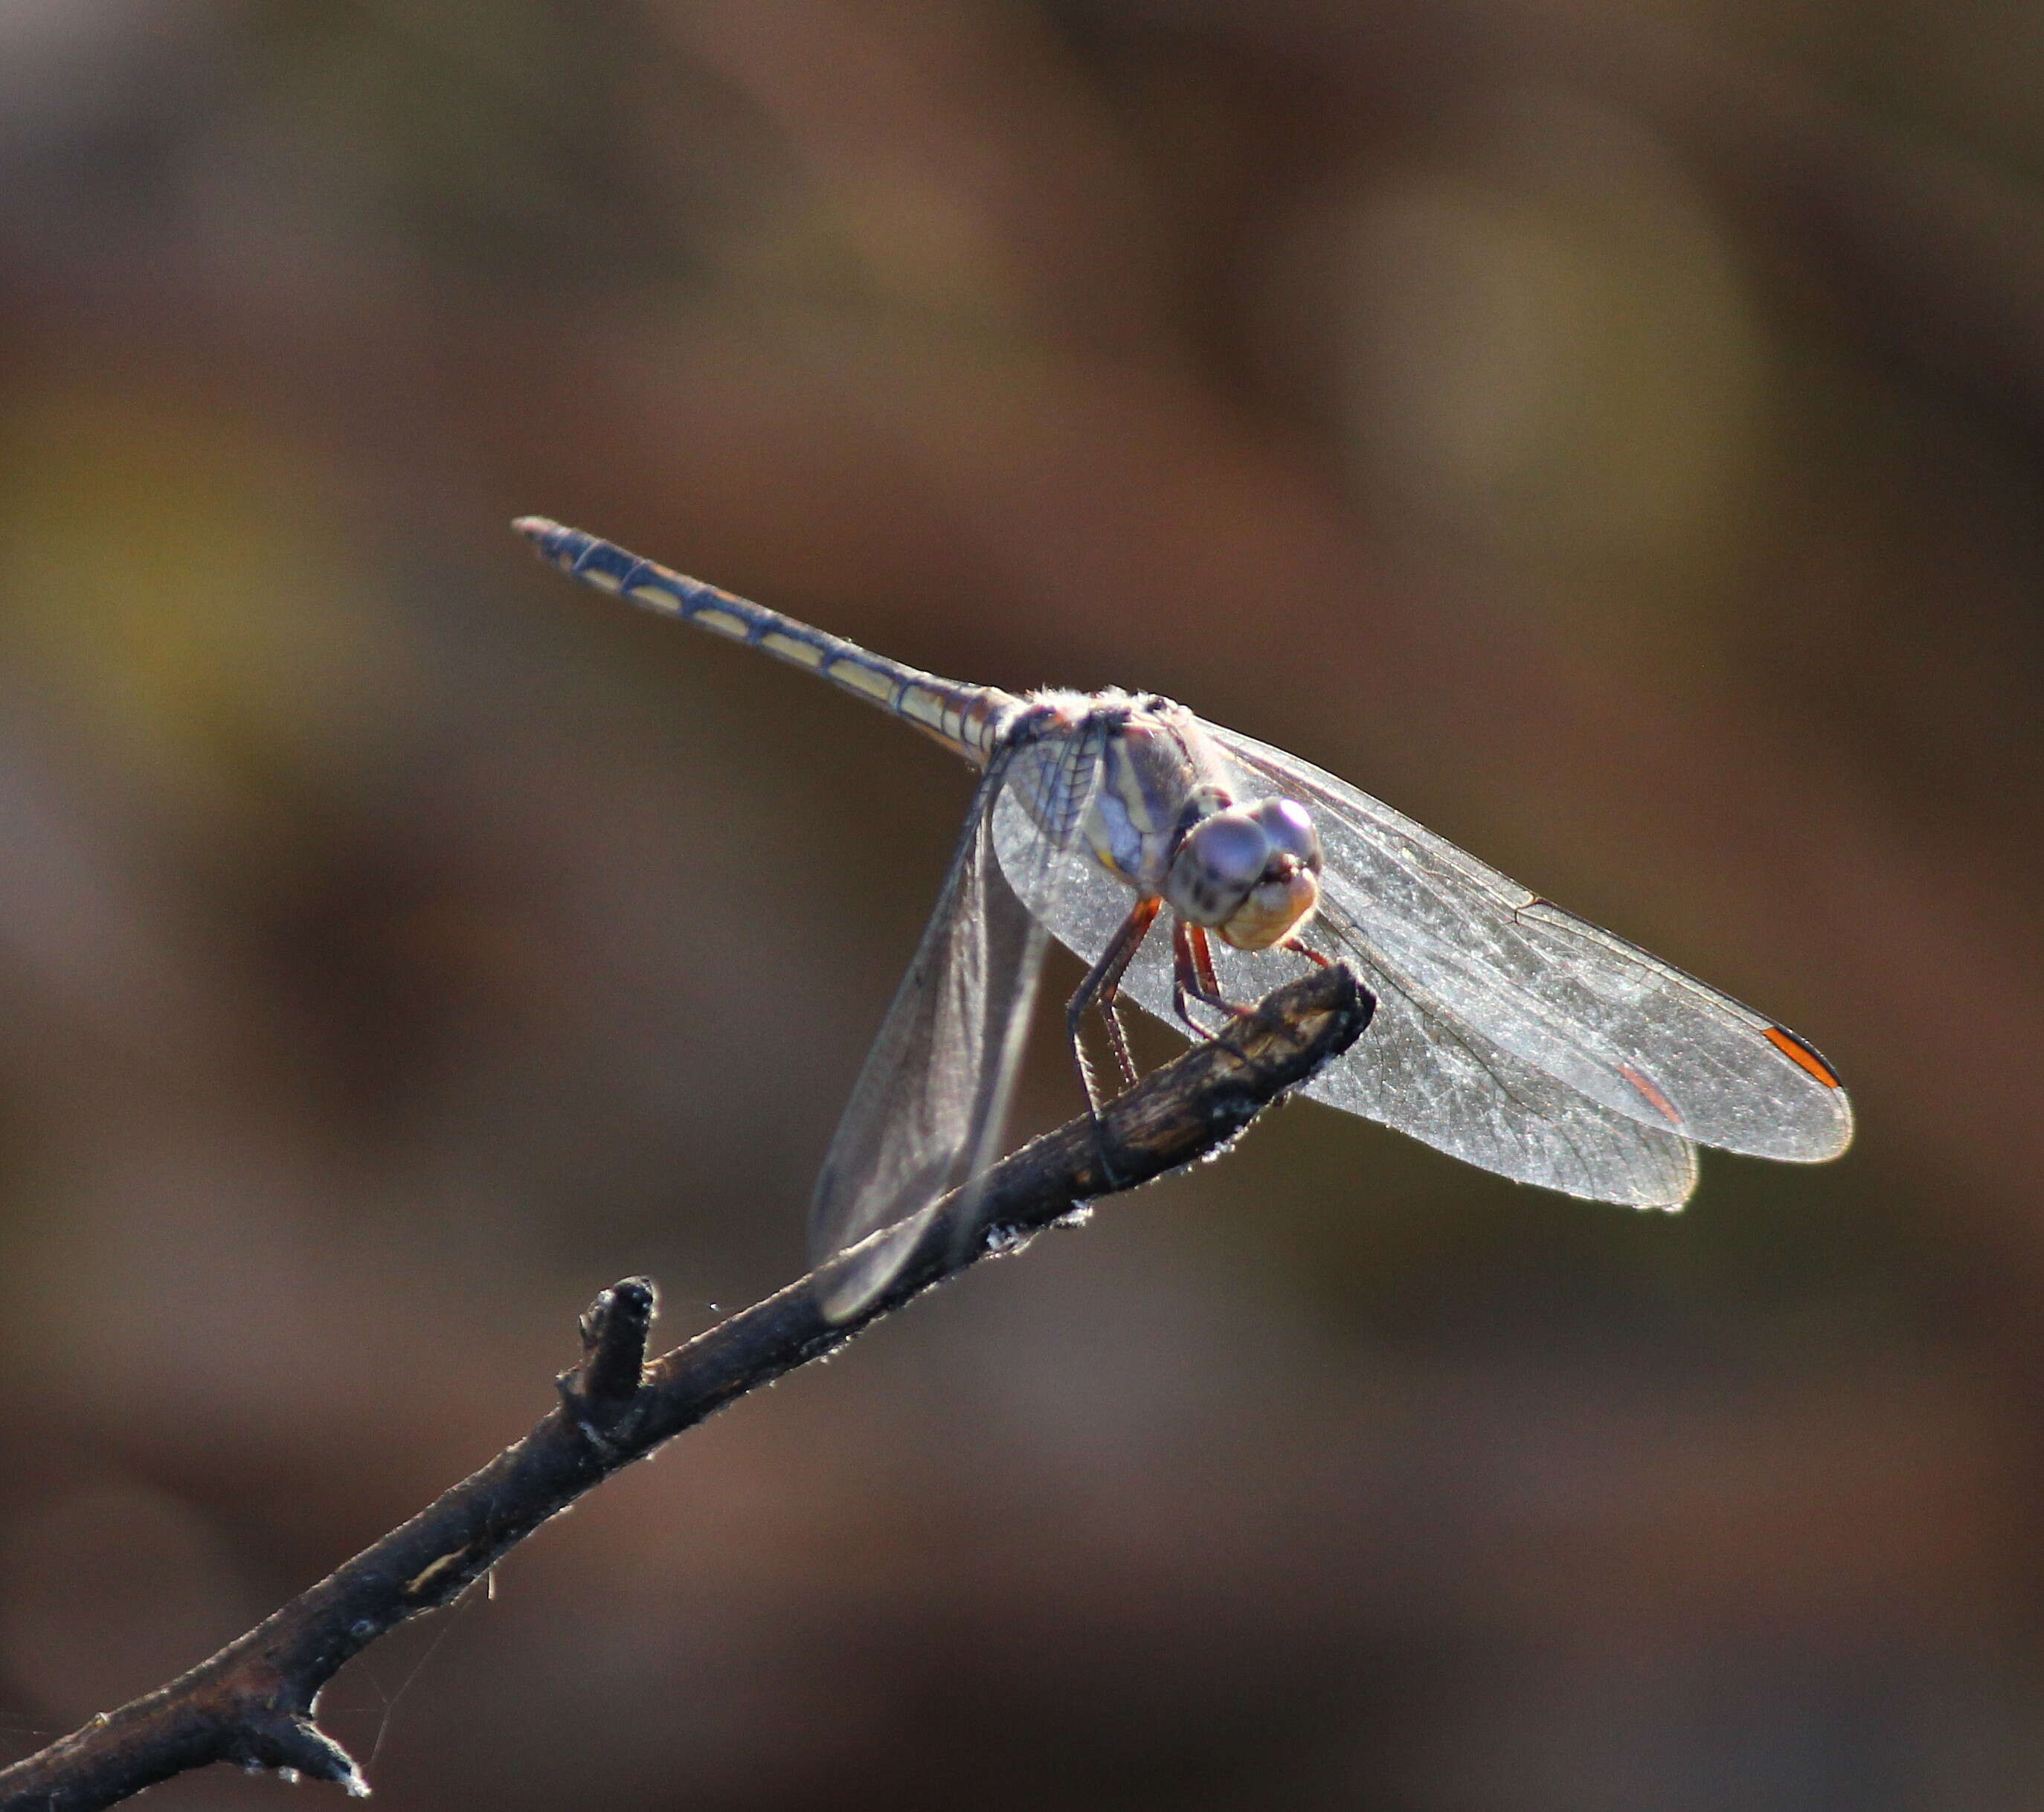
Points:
(1538, 992)
(931, 1100)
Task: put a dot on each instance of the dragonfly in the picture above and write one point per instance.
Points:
(1507, 1032)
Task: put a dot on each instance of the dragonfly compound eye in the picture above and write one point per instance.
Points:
(1290, 829)
(1217, 862)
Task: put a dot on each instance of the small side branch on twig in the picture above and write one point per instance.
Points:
(253, 1703)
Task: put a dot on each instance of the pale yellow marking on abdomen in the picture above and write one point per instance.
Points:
(924, 706)
(863, 679)
(723, 622)
(781, 642)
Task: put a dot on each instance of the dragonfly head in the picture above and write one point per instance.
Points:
(1249, 873)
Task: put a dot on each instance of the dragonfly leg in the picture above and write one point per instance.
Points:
(1193, 978)
(1103, 984)
(1299, 947)
(1117, 1035)
(1185, 979)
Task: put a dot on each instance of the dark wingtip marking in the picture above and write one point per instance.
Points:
(1805, 1055)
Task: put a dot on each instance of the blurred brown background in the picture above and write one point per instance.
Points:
(1613, 434)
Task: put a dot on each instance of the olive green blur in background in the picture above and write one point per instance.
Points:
(1611, 433)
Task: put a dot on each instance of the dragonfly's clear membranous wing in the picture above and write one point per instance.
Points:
(1589, 1008)
(931, 1100)
(1507, 1033)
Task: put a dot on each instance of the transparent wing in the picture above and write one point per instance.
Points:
(1417, 1068)
(1444, 1078)
(1513, 974)
(931, 1099)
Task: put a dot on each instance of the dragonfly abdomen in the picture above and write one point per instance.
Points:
(966, 719)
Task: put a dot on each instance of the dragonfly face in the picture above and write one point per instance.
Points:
(1250, 872)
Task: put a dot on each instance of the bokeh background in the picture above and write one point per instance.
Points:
(1613, 433)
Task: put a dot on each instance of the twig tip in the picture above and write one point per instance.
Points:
(296, 1748)
(601, 1392)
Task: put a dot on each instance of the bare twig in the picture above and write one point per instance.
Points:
(254, 1702)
